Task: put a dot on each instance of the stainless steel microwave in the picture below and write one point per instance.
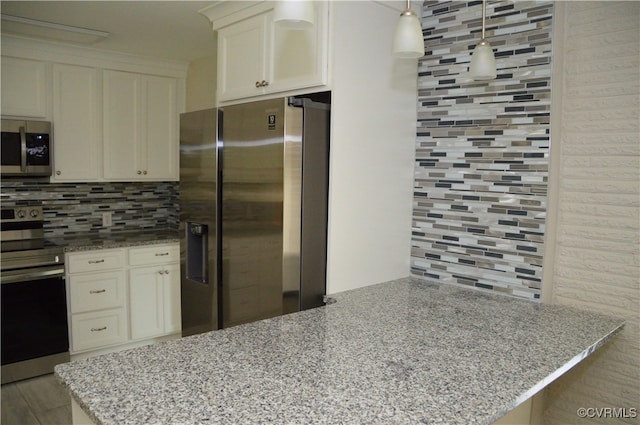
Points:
(26, 148)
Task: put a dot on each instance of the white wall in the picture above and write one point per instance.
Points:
(201, 83)
(372, 148)
(593, 238)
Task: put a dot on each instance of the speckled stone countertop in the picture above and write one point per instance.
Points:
(88, 242)
(400, 352)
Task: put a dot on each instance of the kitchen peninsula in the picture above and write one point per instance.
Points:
(399, 352)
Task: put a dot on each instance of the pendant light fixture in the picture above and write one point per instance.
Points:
(483, 62)
(294, 13)
(408, 41)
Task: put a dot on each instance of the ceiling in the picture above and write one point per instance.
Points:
(159, 29)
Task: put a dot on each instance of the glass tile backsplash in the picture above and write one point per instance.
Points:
(482, 148)
(77, 208)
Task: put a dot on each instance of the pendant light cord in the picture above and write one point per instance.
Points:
(484, 14)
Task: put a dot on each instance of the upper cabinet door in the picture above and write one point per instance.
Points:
(160, 150)
(24, 88)
(258, 57)
(76, 129)
(298, 57)
(241, 58)
(122, 127)
(140, 127)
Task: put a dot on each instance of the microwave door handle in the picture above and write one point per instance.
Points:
(23, 149)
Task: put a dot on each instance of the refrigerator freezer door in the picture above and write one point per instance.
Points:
(199, 200)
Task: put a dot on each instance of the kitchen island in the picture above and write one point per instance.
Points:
(399, 352)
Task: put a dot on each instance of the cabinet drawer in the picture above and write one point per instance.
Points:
(95, 261)
(93, 330)
(96, 291)
(155, 254)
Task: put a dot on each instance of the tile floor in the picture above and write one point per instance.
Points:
(36, 401)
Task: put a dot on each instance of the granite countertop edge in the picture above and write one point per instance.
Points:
(98, 241)
(558, 373)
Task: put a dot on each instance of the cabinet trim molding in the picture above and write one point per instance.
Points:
(88, 56)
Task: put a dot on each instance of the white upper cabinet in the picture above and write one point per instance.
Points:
(298, 57)
(114, 117)
(162, 128)
(259, 57)
(24, 88)
(76, 117)
(140, 127)
(241, 53)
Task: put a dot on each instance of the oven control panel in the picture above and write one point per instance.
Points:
(22, 214)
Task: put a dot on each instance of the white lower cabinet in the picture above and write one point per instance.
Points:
(172, 302)
(154, 301)
(145, 302)
(122, 296)
(154, 291)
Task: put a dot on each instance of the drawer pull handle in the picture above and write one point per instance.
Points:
(96, 261)
(99, 291)
(104, 328)
(161, 254)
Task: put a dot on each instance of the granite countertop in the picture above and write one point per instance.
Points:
(399, 352)
(92, 241)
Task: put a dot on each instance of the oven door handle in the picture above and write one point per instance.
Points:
(23, 149)
(14, 276)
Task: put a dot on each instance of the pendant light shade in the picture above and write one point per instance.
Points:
(408, 41)
(483, 61)
(294, 13)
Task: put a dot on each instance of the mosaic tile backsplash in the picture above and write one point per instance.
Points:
(76, 208)
(482, 148)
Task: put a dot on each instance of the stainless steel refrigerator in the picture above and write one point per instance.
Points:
(253, 211)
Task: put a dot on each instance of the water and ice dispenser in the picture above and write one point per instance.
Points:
(197, 248)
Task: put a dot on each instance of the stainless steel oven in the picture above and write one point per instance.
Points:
(34, 308)
(26, 148)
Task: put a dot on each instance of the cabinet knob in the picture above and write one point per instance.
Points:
(58, 173)
(264, 83)
(258, 84)
(139, 172)
(144, 172)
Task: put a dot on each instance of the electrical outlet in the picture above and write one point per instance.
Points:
(107, 219)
